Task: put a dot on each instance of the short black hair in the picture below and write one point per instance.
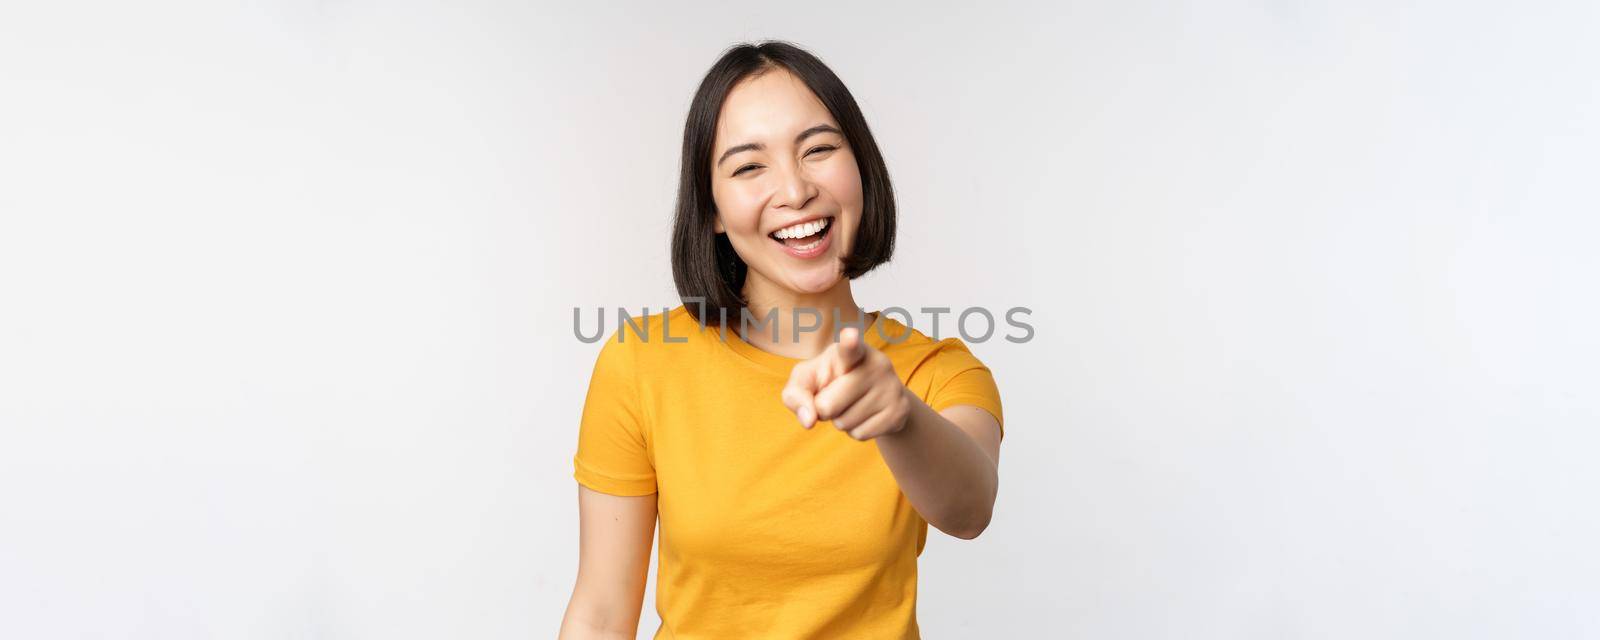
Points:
(709, 274)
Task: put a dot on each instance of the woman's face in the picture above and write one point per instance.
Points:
(785, 183)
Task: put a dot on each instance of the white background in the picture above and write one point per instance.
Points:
(286, 345)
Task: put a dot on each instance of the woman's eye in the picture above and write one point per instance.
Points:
(813, 150)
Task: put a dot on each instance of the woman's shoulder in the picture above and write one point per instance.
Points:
(918, 353)
(641, 347)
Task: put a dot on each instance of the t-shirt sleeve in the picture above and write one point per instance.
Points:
(960, 378)
(613, 456)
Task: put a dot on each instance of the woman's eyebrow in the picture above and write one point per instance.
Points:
(756, 146)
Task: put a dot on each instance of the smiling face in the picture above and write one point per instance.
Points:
(786, 186)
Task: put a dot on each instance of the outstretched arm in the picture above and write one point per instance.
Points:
(946, 462)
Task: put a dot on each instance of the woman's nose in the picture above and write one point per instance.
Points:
(795, 189)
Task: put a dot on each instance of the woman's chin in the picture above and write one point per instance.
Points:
(815, 280)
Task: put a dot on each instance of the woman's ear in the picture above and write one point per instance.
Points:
(717, 225)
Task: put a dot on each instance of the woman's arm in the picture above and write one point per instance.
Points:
(947, 464)
(614, 536)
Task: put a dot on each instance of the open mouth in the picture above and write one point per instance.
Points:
(805, 236)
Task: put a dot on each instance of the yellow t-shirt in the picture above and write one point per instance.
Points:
(767, 530)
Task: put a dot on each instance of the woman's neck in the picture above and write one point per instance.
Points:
(799, 334)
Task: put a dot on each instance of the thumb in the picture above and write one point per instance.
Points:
(802, 402)
(799, 395)
(807, 413)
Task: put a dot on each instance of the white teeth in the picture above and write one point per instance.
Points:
(801, 230)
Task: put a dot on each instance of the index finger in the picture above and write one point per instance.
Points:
(851, 349)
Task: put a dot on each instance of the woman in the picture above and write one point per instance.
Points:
(703, 415)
